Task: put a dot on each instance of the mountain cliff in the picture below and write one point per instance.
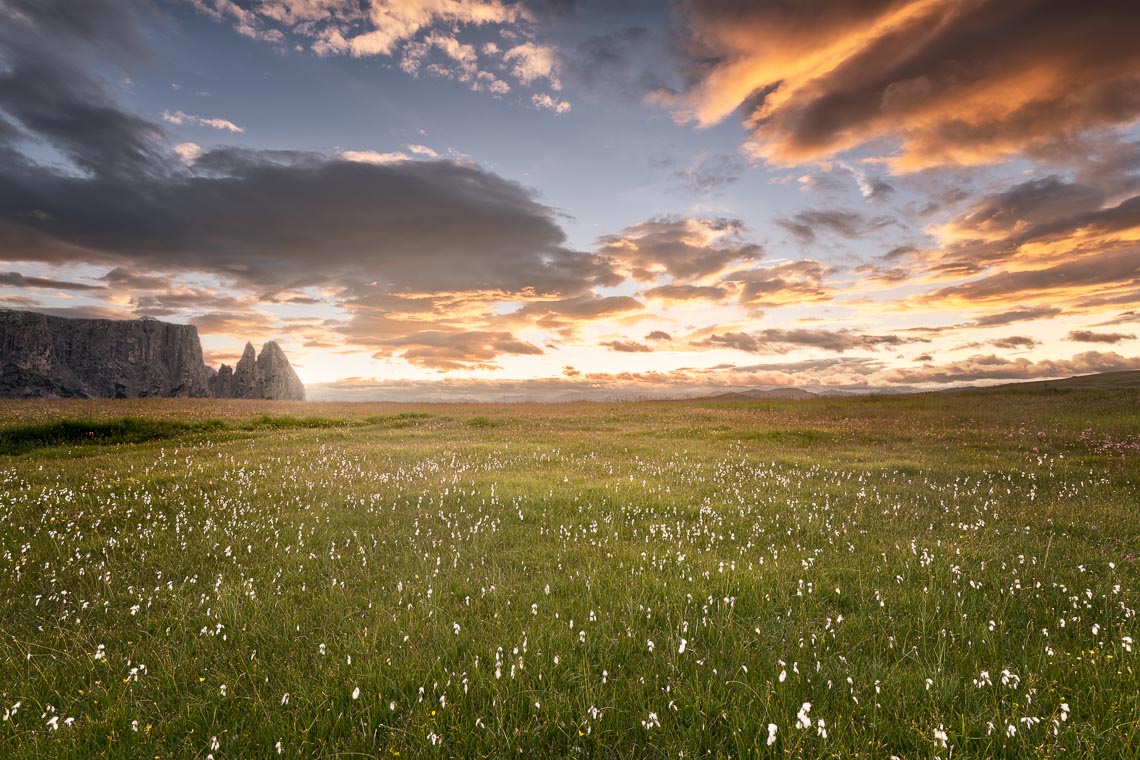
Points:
(54, 357)
(266, 376)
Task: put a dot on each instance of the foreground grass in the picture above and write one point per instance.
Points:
(943, 576)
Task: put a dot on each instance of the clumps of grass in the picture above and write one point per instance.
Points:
(483, 422)
(104, 432)
(82, 432)
(284, 422)
(398, 421)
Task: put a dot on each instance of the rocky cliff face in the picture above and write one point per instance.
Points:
(267, 375)
(55, 357)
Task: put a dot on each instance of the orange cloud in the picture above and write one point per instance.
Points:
(952, 81)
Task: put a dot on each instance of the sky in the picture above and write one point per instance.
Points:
(558, 199)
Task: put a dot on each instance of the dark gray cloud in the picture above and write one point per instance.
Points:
(779, 341)
(123, 277)
(412, 226)
(1014, 341)
(1021, 314)
(630, 62)
(54, 94)
(806, 225)
(709, 175)
(1031, 204)
(688, 293)
(1088, 336)
(627, 346)
(17, 280)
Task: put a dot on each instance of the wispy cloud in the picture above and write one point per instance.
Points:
(181, 118)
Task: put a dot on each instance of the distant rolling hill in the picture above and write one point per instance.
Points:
(1104, 381)
(1129, 379)
(783, 394)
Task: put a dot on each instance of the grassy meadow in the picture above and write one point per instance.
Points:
(948, 575)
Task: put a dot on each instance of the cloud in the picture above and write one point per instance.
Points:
(545, 101)
(710, 174)
(1123, 318)
(462, 61)
(949, 82)
(448, 350)
(1036, 221)
(86, 311)
(780, 341)
(676, 293)
(657, 335)
(408, 226)
(805, 224)
(1014, 341)
(628, 63)
(48, 88)
(684, 248)
(17, 280)
(366, 28)
(188, 151)
(531, 62)
(122, 277)
(1048, 237)
(1088, 336)
(791, 282)
(424, 35)
(845, 373)
(1022, 314)
(627, 346)
(250, 324)
(991, 367)
(179, 118)
(373, 156)
(1068, 279)
(567, 315)
(872, 188)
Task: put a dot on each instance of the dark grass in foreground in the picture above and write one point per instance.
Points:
(950, 575)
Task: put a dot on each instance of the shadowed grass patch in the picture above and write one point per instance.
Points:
(87, 432)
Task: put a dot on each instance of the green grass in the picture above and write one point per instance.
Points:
(70, 433)
(93, 432)
(490, 578)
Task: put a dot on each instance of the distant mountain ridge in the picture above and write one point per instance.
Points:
(785, 394)
(1100, 381)
(43, 356)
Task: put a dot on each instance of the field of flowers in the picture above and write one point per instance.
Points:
(949, 575)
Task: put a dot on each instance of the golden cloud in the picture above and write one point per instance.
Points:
(952, 81)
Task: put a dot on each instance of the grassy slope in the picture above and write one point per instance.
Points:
(953, 533)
